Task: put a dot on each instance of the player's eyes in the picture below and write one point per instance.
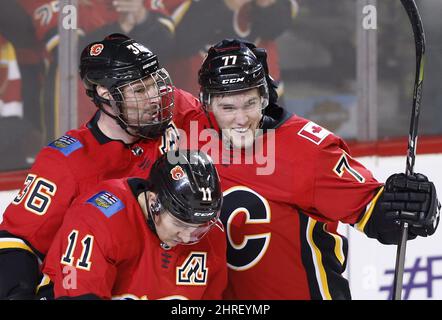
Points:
(228, 109)
(252, 103)
(139, 90)
(177, 224)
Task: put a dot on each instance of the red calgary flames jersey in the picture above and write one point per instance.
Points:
(280, 211)
(70, 166)
(105, 248)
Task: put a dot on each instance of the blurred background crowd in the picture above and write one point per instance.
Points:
(312, 46)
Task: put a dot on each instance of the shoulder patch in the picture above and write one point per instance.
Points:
(66, 144)
(107, 203)
(313, 132)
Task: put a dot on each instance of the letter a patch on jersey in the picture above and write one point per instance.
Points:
(313, 132)
(193, 271)
(66, 144)
(107, 203)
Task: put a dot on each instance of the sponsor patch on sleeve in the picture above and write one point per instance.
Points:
(66, 144)
(107, 203)
(313, 132)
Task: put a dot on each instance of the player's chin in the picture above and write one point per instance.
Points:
(242, 141)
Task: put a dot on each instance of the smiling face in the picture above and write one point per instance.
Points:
(238, 116)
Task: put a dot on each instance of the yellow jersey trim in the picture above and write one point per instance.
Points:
(367, 215)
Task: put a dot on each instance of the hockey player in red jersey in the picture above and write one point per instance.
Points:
(281, 214)
(139, 111)
(145, 239)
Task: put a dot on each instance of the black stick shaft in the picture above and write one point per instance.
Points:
(419, 39)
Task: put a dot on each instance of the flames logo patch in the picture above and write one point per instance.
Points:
(177, 173)
(96, 49)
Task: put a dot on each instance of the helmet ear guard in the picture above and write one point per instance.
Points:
(156, 207)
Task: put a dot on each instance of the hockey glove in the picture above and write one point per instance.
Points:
(410, 199)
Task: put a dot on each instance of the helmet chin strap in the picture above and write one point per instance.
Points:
(99, 101)
(149, 220)
(261, 121)
(151, 223)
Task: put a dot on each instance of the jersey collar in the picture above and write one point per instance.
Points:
(92, 125)
(274, 117)
(95, 130)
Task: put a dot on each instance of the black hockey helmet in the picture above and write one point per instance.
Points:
(122, 66)
(188, 186)
(231, 66)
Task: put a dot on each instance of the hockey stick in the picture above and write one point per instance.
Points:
(419, 40)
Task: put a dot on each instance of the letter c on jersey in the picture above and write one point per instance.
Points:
(239, 200)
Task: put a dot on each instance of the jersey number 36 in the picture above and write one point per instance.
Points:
(37, 193)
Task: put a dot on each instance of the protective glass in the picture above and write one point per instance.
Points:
(193, 232)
